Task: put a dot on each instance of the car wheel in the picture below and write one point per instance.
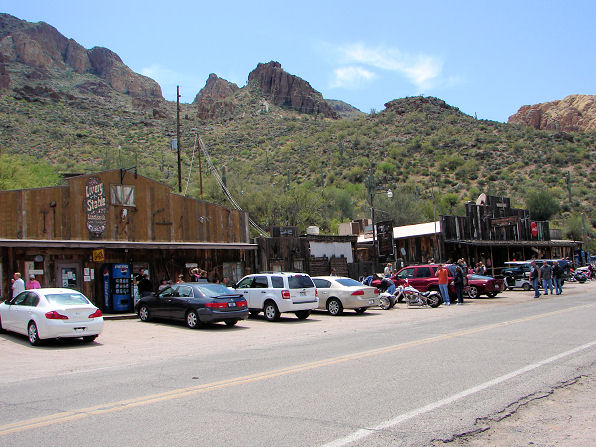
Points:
(360, 310)
(526, 287)
(89, 338)
(144, 313)
(473, 292)
(33, 334)
(192, 319)
(231, 322)
(334, 307)
(303, 314)
(254, 313)
(271, 311)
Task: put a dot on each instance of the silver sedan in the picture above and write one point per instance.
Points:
(337, 293)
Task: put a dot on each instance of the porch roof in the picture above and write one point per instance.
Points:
(164, 245)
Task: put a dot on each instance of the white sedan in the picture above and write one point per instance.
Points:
(337, 293)
(51, 313)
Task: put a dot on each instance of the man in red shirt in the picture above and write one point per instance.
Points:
(443, 275)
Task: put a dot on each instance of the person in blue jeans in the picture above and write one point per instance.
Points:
(546, 274)
(557, 277)
(443, 274)
(535, 278)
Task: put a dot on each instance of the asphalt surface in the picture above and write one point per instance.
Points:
(406, 377)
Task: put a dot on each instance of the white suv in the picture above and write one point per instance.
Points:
(275, 293)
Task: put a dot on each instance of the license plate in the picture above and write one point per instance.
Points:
(371, 301)
(79, 329)
(231, 304)
(496, 286)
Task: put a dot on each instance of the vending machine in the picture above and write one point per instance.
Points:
(117, 288)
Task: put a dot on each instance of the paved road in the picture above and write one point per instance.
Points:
(400, 377)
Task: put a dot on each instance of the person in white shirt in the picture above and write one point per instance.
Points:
(18, 285)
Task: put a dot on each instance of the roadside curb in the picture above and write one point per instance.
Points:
(119, 316)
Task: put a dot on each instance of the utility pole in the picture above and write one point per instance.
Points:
(178, 137)
(200, 165)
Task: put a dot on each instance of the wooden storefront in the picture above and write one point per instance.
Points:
(64, 234)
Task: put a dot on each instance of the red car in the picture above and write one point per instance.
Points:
(422, 277)
(484, 285)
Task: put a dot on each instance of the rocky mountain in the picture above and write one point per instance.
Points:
(215, 99)
(571, 114)
(286, 90)
(36, 52)
(343, 109)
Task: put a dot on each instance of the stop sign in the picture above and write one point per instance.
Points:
(534, 229)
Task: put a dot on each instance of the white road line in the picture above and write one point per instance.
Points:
(365, 432)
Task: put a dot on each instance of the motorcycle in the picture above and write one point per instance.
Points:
(413, 297)
(580, 277)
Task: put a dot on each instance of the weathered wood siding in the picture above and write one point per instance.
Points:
(157, 215)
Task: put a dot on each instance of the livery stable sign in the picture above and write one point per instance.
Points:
(95, 205)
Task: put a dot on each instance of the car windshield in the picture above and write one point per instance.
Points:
(348, 282)
(213, 290)
(67, 298)
(481, 277)
(300, 282)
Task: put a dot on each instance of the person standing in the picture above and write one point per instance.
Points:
(18, 285)
(32, 283)
(458, 281)
(546, 273)
(388, 270)
(557, 277)
(145, 286)
(443, 275)
(535, 278)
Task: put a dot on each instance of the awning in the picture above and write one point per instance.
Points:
(485, 243)
(44, 243)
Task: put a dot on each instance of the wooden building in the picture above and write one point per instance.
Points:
(493, 232)
(65, 234)
(316, 255)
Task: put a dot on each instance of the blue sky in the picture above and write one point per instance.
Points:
(485, 57)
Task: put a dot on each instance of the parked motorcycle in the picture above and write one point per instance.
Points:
(413, 297)
(578, 276)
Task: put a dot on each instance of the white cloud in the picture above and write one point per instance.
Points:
(351, 77)
(420, 69)
(168, 79)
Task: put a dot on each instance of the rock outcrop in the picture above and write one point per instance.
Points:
(215, 100)
(41, 47)
(4, 76)
(286, 90)
(572, 114)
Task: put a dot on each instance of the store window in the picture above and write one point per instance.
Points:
(122, 195)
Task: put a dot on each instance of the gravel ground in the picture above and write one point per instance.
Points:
(562, 417)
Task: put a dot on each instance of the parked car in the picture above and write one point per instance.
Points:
(276, 293)
(422, 277)
(484, 285)
(337, 293)
(51, 313)
(195, 304)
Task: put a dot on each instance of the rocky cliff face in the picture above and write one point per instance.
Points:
(574, 113)
(215, 99)
(286, 90)
(42, 48)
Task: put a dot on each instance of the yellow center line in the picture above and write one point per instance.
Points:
(68, 416)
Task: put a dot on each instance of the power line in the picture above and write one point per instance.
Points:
(225, 189)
